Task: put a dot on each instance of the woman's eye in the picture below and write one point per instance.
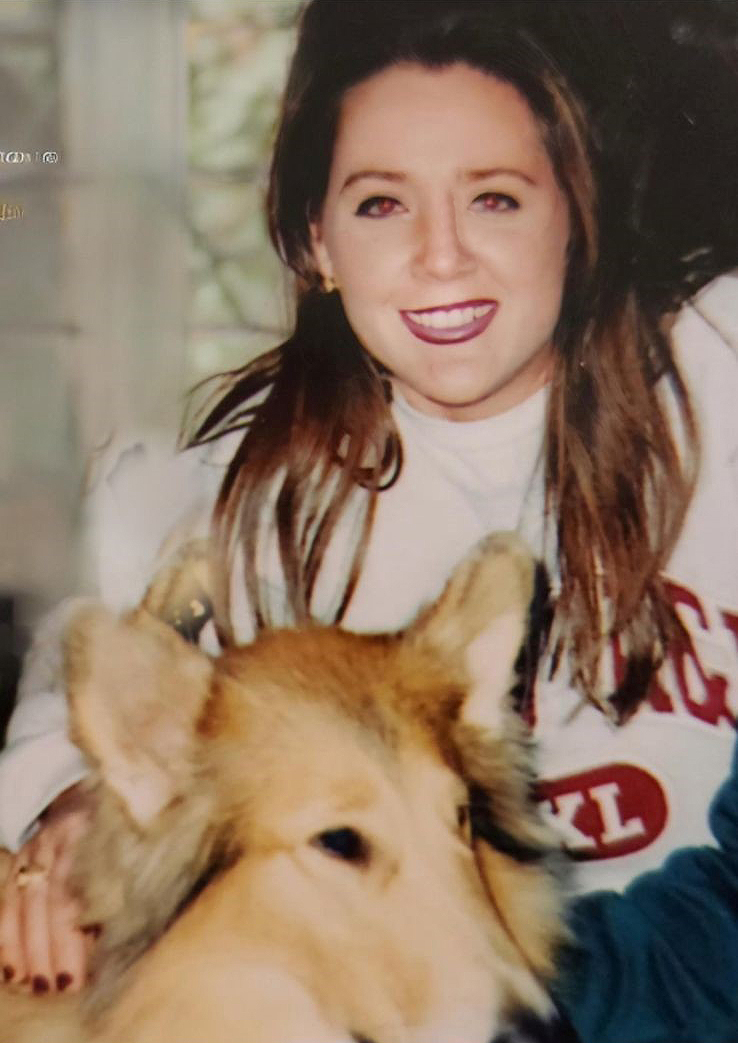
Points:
(378, 206)
(344, 843)
(495, 202)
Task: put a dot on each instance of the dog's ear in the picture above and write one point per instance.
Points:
(477, 628)
(136, 690)
(181, 592)
(478, 624)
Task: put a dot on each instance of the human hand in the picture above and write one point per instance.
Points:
(41, 944)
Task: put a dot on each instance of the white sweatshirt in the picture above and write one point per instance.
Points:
(622, 798)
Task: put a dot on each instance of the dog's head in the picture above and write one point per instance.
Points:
(321, 836)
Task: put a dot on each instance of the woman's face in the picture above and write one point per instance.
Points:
(446, 232)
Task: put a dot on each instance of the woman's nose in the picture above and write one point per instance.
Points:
(441, 250)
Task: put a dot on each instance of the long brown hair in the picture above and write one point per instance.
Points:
(620, 442)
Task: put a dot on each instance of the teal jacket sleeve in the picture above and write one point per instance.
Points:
(659, 963)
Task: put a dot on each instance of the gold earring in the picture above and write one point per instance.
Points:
(329, 284)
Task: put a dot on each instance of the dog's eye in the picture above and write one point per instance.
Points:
(345, 843)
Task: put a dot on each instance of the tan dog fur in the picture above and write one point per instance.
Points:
(247, 764)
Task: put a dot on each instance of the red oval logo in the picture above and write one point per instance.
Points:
(605, 812)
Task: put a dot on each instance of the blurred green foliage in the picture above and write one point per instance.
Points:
(238, 52)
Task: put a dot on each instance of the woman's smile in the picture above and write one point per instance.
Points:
(450, 323)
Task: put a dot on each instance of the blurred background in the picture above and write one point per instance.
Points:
(134, 258)
(134, 136)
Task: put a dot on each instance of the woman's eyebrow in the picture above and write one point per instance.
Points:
(482, 175)
(469, 176)
(381, 175)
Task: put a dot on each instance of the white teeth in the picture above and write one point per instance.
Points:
(443, 319)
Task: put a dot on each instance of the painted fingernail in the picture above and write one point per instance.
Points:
(39, 984)
(8, 972)
(63, 981)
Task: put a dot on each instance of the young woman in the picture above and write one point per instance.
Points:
(478, 345)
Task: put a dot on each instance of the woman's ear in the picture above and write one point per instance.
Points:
(321, 257)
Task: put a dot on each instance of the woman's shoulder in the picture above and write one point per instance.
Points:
(703, 563)
(709, 320)
(143, 495)
(705, 340)
(139, 455)
(717, 305)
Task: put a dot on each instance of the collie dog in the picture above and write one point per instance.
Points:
(320, 837)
